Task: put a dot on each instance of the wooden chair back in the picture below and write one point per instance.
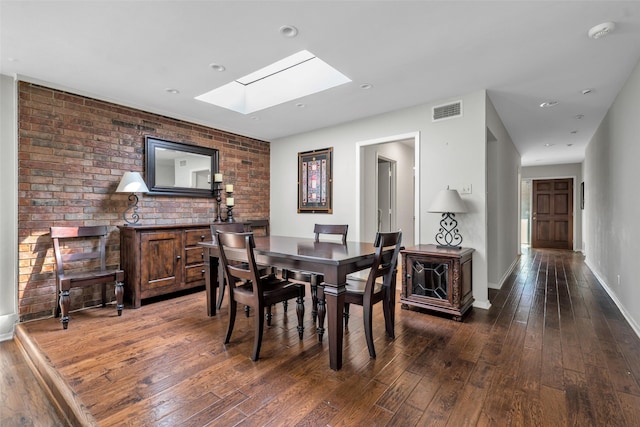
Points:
(337, 229)
(228, 227)
(83, 264)
(238, 260)
(260, 225)
(379, 268)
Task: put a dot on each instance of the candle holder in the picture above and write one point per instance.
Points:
(217, 192)
(230, 203)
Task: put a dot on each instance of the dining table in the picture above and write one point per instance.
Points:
(333, 260)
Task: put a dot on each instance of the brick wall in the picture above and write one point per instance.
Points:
(72, 153)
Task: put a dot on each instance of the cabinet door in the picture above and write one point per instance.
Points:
(429, 280)
(161, 256)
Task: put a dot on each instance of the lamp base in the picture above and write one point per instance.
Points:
(448, 236)
(457, 248)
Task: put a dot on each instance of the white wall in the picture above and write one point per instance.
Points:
(570, 170)
(9, 212)
(612, 202)
(452, 153)
(503, 166)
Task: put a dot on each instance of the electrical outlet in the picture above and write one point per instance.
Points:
(465, 189)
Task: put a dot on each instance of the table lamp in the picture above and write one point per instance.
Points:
(132, 182)
(448, 202)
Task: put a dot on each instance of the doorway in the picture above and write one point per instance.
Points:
(398, 195)
(552, 220)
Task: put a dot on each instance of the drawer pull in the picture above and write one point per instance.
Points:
(178, 257)
(202, 237)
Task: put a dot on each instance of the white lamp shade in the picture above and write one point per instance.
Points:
(448, 201)
(132, 182)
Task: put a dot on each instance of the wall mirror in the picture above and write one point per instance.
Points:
(179, 169)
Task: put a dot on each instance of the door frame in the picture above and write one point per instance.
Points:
(416, 176)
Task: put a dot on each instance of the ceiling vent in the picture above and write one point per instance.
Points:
(448, 111)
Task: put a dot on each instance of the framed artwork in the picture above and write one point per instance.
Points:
(315, 189)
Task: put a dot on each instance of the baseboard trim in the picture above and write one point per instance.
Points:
(65, 400)
(616, 301)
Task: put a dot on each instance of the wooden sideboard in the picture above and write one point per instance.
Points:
(437, 279)
(161, 259)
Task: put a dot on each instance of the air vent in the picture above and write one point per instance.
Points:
(449, 111)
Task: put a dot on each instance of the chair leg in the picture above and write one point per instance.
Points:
(269, 315)
(345, 314)
(233, 308)
(222, 282)
(259, 326)
(322, 311)
(247, 310)
(119, 297)
(314, 297)
(368, 329)
(389, 317)
(65, 301)
(285, 305)
(300, 310)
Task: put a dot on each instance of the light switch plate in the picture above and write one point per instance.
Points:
(465, 189)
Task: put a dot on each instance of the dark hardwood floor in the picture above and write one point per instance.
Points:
(553, 350)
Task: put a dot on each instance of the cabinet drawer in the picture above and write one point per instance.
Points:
(194, 255)
(195, 273)
(193, 237)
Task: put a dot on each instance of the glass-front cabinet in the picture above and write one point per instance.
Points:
(437, 279)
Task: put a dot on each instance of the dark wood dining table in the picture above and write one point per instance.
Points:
(334, 260)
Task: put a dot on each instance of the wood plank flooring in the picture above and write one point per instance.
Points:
(553, 350)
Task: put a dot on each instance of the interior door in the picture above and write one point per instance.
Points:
(384, 196)
(552, 225)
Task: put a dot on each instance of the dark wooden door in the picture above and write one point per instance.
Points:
(552, 214)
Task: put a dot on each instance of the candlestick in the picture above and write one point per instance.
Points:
(229, 201)
(217, 177)
(229, 188)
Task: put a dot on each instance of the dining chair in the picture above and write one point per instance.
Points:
(247, 287)
(80, 254)
(231, 227)
(376, 288)
(315, 279)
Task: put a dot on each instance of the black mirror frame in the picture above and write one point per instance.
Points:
(151, 143)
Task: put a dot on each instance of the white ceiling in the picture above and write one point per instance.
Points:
(412, 52)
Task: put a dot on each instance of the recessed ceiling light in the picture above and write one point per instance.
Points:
(366, 86)
(300, 105)
(586, 91)
(548, 145)
(549, 104)
(288, 31)
(173, 91)
(601, 30)
(573, 132)
(579, 116)
(569, 145)
(217, 67)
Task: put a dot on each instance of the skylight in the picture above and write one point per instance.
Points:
(298, 75)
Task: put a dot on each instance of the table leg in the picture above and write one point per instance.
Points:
(334, 297)
(211, 281)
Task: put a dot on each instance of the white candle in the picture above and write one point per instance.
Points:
(229, 188)
(229, 201)
(217, 177)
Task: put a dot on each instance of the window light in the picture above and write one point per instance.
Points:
(298, 75)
